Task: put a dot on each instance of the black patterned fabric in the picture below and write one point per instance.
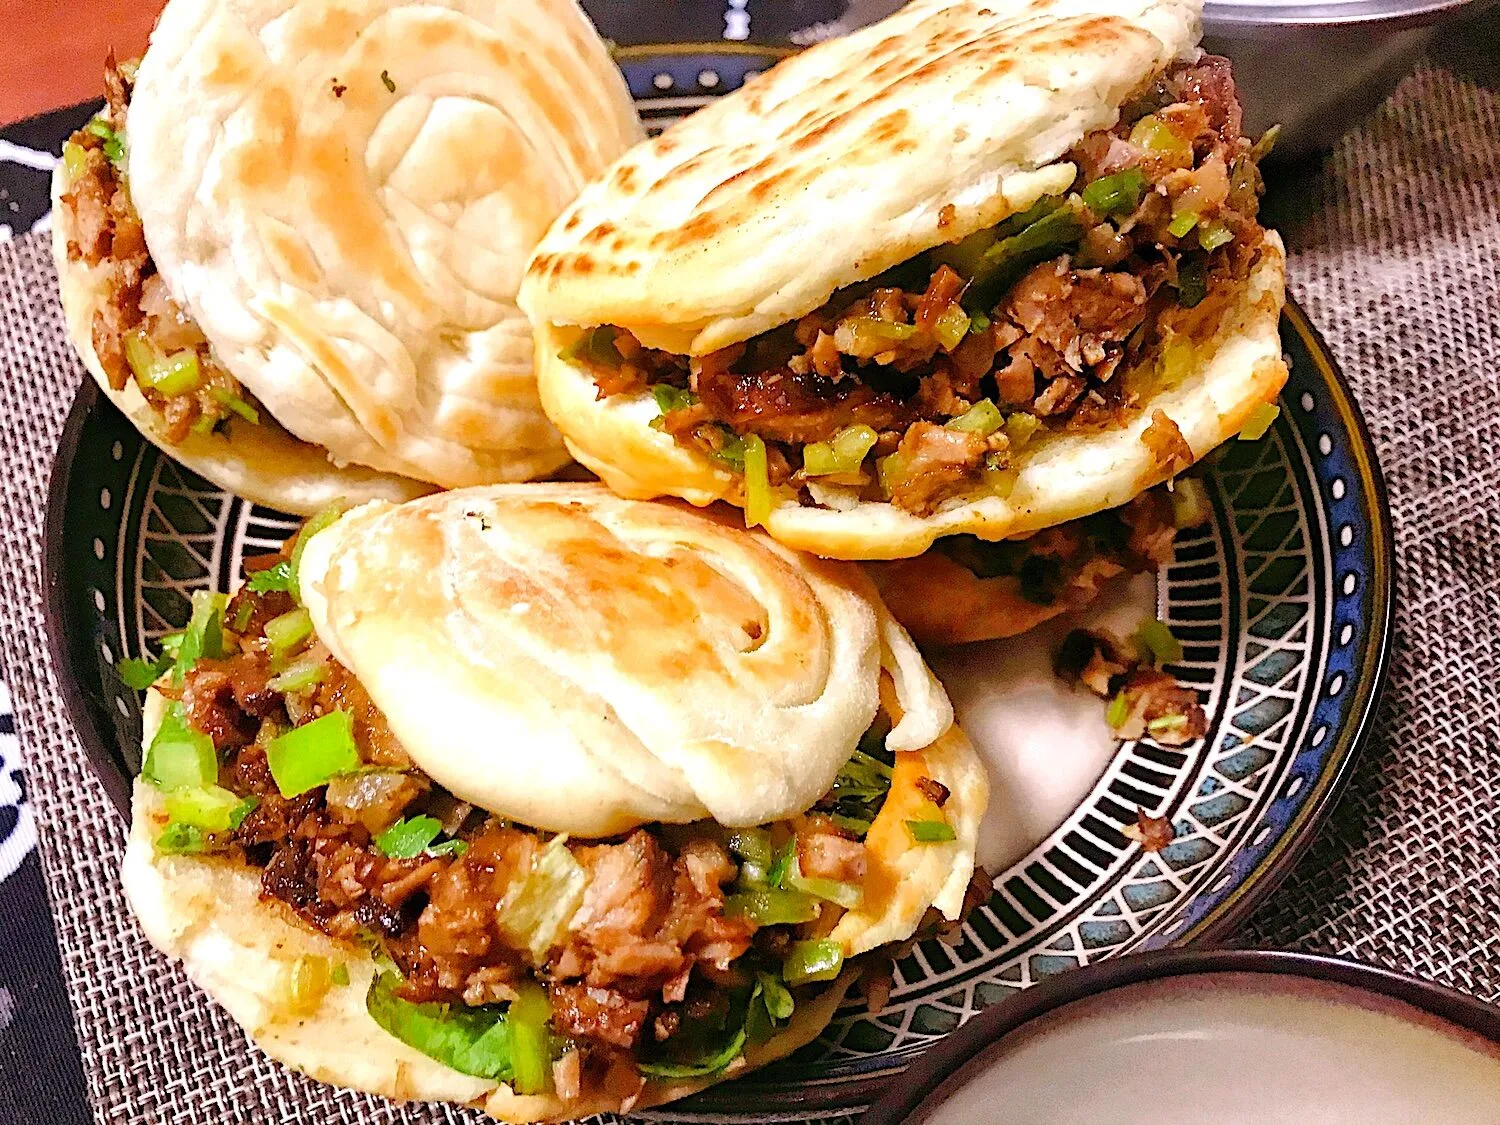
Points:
(1395, 254)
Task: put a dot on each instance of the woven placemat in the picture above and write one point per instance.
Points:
(1399, 264)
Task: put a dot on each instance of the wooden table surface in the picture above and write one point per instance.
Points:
(54, 49)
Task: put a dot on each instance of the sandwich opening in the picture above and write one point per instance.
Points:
(139, 333)
(922, 387)
(658, 954)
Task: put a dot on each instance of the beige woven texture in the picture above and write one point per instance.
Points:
(1398, 263)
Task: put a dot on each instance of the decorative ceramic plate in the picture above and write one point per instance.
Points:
(1282, 604)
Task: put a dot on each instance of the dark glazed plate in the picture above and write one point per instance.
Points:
(1283, 604)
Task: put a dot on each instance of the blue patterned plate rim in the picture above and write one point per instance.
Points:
(74, 659)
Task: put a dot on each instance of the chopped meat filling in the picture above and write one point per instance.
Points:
(1042, 324)
(139, 332)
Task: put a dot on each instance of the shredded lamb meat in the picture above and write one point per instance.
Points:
(914, 349)
(135, 309)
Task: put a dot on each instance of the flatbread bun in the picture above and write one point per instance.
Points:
(838, 163)
(647, 662)
(1233, 362)
(263, 463)
(344, 199)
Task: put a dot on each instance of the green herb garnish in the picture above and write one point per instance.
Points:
(275, 578)
(473, 1041)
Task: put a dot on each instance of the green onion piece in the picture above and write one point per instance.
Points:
(204, 635)
(273, 578)
(1259, 421)
(710, 1065)
(781, 866)
(340, 975)
(455, 848)
(1262, 148)
(771, 907)
(1119, 711)
(171, 643)
(811, 961)
(844, 454)
(114, 144)
(141, 355)
(595, 345)
(966, 256)
(978, 323)
(177, 374)
(289, 630)
(757, 482)
(1033, 214)
(1182, 223)
(1156, 641)
(1155, 135)
(473, 1041)
(931, 831)
(242, 615)
(209, 807)
(141, 674)
(1117, 194)
(778, 1001)
(1005, 261)
(951, 326)
(1190, 503)
(322, 520)
(1192, 282)
(74, 160)
(1020, 428)
(307, 756)
(846, 895)
(732, 451)
(530, 1044)
(407, 839)
(236, 405)
(1167, 722)
(866, 336)
(753, 846)
(892, 470)
(179, 757)
(983, 418)
(669, 398)
(1213, 235)
(301, 674)
(181, 839)
(538, 913)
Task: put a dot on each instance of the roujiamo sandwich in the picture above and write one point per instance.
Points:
(543, 801)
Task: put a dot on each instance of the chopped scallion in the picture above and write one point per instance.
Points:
(1157, 642)
(1213, 235)
(1119, 711)
(181, 839)
(1182, 223)
(1166, 723)
(302, 674)
(530, 1044)
(931, 831)
(757, 482)
(951, 326)
(983, 418)
(1190, 503)
(845, 453)
(771, 907)
(1020, 428)
(204, 635)
(236, 405)
(209, 807)
(289, 630)
(1117, 194)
